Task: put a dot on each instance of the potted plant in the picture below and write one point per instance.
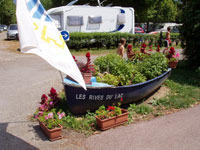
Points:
(86, 69)
(50, 124)
(110, 117)
(172, 58)
(49, 120)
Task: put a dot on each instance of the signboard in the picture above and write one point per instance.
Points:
(65, 35)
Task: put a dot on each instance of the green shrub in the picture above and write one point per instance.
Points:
(122, 70)
(97, 40)
(153, 65)
(109, 79)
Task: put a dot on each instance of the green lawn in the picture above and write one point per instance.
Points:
(108, 51)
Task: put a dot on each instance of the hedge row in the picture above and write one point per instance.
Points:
(110, 40)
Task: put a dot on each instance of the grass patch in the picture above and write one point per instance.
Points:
(92, 51)
(184, 84)
(142, 109)
(103, 51)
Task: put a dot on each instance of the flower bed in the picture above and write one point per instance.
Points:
(143, 66)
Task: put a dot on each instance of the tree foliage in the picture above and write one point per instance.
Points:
(145, 10)
(190, 32)
(7, 12)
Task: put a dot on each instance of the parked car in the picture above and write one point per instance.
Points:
(4, 27)
(163, 27)
(1, 29)
(175, 29)
(12, 32)
(139, 30)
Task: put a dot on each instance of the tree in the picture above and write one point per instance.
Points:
(166, 11)
(7, 12)
(190, 32)
(47, 4)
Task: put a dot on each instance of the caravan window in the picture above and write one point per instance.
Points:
(95, 20)
(121, 19)
(75, 20)
(56, 19)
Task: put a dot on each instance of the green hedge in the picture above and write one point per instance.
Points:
(96, 40)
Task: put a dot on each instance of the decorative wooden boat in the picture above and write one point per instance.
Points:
(80, 101)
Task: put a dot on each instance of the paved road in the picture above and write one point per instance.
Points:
(178, 131)
(24, 78)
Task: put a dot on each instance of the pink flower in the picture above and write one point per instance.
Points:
(50, 115)
(42, 107)
(177, 55)
(59, 117)
(50, 103)
(40, 113)
(46, 117)
(63, 114)
(121, 99)
(36, 116)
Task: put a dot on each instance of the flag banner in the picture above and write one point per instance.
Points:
(39, 35)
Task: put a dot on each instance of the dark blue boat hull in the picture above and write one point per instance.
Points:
(80, 101)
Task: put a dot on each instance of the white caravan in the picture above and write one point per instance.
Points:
(84, 18)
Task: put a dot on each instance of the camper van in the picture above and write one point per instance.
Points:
(85, 18)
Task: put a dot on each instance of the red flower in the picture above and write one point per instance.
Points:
(144, 45)
(88, 55)
(110, 108)
(121, 99)
(172, 51)
(53, 91)
(129, 46)
(44, 99)
(142, 50)
(87, 68)
(74, 58)
(53, 94)
(150, 48)
(158, 49)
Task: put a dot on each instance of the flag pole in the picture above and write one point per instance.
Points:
(61, 76)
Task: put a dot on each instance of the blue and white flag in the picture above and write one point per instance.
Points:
(39, 35)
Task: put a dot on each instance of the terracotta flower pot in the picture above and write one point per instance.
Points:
(173, 64)
(87, 77)
(112, 122)
(52, 134)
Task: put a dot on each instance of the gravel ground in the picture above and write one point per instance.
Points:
(24, 78)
